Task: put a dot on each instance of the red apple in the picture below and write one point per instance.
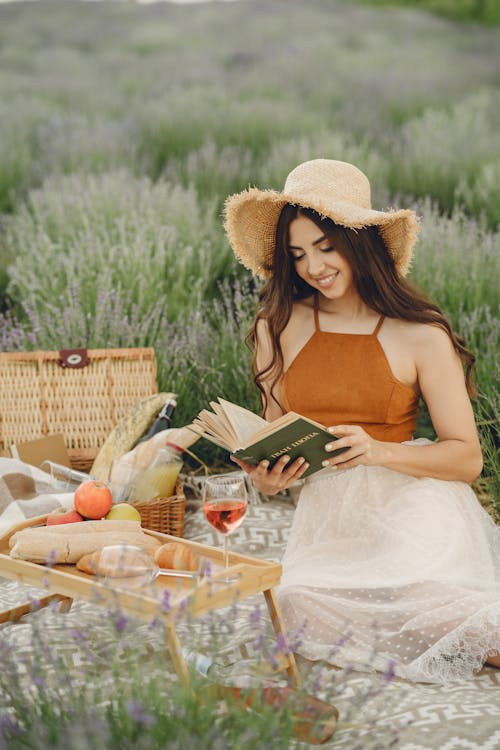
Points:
(93, 499)
(63, 515)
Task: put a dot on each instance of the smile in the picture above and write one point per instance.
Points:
(326, 280)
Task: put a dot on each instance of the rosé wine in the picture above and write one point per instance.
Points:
(225, 515)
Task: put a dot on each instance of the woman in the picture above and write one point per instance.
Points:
(390, 556)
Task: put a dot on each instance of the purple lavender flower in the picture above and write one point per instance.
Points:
(318, 680)
(137, 713)
(281, 644)
(209, 569)
(9, 726)
(78, 635)
(121, 622)
(255, 615)
(165, 601)
(389, 672)
(259, 643)
(51, 558)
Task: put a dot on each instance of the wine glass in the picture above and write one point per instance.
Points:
(128, 566)
(225, 505)
(64, 477)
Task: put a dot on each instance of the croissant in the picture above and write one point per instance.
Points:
(176, 556)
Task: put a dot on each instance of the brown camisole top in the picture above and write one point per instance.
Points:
(345, 378)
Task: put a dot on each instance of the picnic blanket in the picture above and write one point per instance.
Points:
(27, 492)
(464, 716)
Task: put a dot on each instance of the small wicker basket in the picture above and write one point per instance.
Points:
(164, 514)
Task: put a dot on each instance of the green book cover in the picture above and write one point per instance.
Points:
(299, 438)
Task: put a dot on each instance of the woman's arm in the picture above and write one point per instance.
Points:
(457, 454)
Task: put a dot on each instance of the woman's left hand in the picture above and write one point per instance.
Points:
(362, 449)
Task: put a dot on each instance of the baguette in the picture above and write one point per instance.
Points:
(42, 543)
(82, 527)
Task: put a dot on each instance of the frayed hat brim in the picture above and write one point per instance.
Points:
(250, 220)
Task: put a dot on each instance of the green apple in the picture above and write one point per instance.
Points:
(123, 512)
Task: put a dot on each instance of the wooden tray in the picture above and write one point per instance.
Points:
(251, 576)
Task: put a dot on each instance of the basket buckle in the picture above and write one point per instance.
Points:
(74, 358)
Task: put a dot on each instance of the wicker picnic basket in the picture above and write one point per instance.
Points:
(164, 514)
(39, 397)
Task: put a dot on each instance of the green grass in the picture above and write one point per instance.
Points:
(479, 11)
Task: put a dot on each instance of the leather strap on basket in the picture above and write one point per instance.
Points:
(74, 358)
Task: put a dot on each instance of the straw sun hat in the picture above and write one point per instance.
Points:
(335, 189)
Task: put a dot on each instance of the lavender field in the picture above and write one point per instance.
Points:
(123, 127)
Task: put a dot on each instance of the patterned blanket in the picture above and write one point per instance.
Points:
(465, 716)
(26, 492)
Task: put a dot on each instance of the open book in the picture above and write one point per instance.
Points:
(252, 439)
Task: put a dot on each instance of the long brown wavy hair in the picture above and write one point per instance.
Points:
(374, 276)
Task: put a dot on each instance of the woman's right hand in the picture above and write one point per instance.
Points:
(279, 478)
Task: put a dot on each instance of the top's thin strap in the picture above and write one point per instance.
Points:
(379, 325)
(316, 312)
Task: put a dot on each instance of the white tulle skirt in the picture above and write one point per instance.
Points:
(383, 570)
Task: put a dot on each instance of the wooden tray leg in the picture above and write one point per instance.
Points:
(175, 649)
(275, 615)
(15, 613)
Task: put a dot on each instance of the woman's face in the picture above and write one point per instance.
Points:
(316, 259)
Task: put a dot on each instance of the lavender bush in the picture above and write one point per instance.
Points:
(124, 693)
(456, 259)
(441, 149)
(119, 87)
(114, 232)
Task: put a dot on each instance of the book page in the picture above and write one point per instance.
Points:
(228, 427)
(214, 426)
(244, 422)
(200, 430)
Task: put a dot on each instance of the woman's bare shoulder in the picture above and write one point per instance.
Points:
(417, 331)
(301, 317)
(420, 337)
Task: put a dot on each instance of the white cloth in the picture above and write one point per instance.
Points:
(27, 492)
(399, 568)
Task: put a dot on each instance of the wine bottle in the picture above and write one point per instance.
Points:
(162, 421)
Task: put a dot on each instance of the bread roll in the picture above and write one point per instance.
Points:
(176, 556)
(89, 563)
